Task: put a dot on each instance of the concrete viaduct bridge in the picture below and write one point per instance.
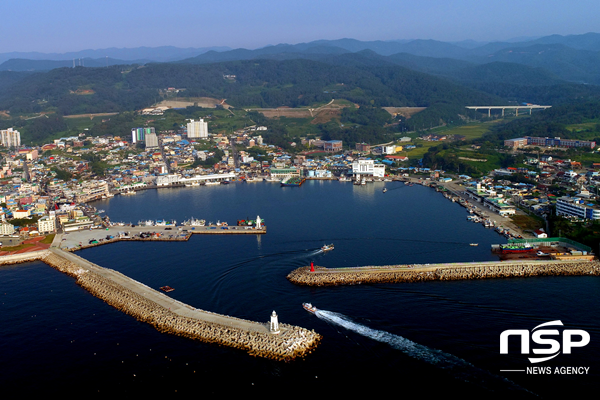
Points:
(516, 108)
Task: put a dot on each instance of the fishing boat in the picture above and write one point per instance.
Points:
(327, 247)
(166, 289)
(195, 222)
(517, 248)
(309, 307)
(293, 181)
(474, 244)
(384, 190)
(162, 222)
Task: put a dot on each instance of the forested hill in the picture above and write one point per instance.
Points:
(257, 83)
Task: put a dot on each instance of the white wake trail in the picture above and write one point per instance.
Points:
(459, 368)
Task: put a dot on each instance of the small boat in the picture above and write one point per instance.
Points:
(473, 244)
(384, 190)
(327, 247)
(309, 307)
(166, 289)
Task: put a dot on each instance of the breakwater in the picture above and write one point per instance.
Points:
(439, 272)
(171, 316)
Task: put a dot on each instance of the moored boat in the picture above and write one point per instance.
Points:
(195, 222)
(309, 307)
(293, 181)
(517, 248)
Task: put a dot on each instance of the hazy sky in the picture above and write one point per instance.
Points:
(71, 25)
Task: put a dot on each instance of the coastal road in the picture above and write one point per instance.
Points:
(505, 222)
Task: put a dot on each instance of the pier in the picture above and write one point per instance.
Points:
(321, 276)
(83, 239)
(168, 315)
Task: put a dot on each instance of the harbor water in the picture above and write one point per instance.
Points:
(433, 338)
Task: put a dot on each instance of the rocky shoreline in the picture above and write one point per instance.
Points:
(405, 273)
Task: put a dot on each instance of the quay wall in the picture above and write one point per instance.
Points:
(178, 238)
(439, 272)
(119, 291)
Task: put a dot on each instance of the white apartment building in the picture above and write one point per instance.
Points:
(10, 137)
(151, 140)
(47, 224)
(6, 228)
(197, 129)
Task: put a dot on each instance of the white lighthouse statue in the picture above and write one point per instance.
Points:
(258, 222)
(274, 324)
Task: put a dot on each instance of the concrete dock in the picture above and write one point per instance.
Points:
(440, 272)
(171, 316)
(78, 240)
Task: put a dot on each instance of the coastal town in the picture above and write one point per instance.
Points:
(51, 188)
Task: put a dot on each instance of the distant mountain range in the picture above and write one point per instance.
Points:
(123, 55)
(573, 58)
(443, 77)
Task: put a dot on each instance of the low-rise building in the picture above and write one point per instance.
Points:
(367, 168)
(576, 207)
(332, 146)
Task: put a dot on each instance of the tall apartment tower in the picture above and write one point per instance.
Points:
(151, 140)
(10, 137)
(139, 134)
(197, 129)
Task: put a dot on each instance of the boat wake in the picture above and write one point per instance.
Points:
(459, 368)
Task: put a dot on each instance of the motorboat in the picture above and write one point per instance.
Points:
(327, 247)
(309, 307)
(384, 190)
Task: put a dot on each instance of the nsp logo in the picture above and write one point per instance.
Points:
(570, 338)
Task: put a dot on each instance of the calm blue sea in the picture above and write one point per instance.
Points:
(435, 338)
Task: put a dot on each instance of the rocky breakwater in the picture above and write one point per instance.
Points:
(456, 271)
(290, 343)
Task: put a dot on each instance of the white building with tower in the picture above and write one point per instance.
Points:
(197, 129)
